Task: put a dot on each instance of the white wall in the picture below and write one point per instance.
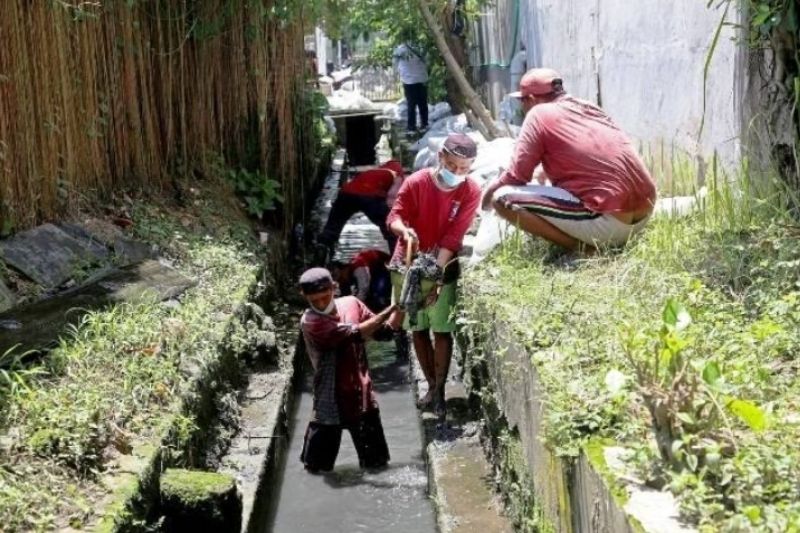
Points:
(648, 56)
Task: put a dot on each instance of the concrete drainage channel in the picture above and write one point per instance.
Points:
(438, 478)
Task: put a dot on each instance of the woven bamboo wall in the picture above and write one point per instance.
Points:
(122, 93)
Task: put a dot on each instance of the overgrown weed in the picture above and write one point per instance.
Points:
(689, 334)
(116, 379)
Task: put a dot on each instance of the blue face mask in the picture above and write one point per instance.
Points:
(450, 178)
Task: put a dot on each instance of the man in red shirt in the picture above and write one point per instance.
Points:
(433, 211)
(371, 192)
(334, 330)
(368, 276)
(601, 194)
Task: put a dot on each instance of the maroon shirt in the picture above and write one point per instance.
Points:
(342, 384)
(583, 152)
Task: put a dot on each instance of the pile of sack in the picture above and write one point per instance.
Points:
(349, 101)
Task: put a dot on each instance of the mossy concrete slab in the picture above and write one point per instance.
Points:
(48, 255)
(594, 510)
(37, 326)
(587, 494)
(199, 501)
(651, 510)
(521, 398)
(255, 453)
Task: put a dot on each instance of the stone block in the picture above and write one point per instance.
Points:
(36, 326)
(129, 252)
(80, 233)
(200, 501)
(48, 255)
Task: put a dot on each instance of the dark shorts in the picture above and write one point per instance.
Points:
(321, 444)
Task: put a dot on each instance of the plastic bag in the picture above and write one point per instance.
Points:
(491, 232)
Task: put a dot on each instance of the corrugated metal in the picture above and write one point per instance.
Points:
(494, 32)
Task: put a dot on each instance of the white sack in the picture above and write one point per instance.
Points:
(492, 231)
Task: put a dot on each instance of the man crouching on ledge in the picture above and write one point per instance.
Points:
(334, 331)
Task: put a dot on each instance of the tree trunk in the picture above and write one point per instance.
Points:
(458, 46)
(472, 99)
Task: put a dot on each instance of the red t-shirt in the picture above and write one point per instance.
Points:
(440, 217)
(370, 259)
(583, 152)
(375, 182)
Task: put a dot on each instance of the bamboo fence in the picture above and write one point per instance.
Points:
(119, 94)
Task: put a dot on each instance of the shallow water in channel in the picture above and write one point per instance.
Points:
(350, 499)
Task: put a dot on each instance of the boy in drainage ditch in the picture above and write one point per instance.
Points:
(334, 331)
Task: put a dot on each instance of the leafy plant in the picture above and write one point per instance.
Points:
(259, 192)
(686, 396)
(682, 349)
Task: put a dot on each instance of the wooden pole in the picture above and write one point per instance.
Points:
(471, 98)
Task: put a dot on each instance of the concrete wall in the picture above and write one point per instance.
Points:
(643, 61)
(584, 494)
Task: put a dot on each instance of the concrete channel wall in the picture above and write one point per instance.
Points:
(580, 495)
(643, 62)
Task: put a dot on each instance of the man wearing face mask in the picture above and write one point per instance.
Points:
(432, 213)
(334, 331)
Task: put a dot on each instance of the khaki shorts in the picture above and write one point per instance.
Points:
(567, 213)
(439, 317)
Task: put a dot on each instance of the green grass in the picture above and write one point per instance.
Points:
(115, 381)
(699, 315)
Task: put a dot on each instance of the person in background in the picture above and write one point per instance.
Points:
(368, 277)
(409, 64)
(371, 192)
(334, 331)
(433, 211)
(600, 192)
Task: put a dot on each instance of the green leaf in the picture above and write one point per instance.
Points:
(749, 413)
(753, 513)
(665, 358)
(691, 462)
(676, 316)
(711, 373)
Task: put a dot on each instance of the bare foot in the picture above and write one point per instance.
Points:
(426, 400)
